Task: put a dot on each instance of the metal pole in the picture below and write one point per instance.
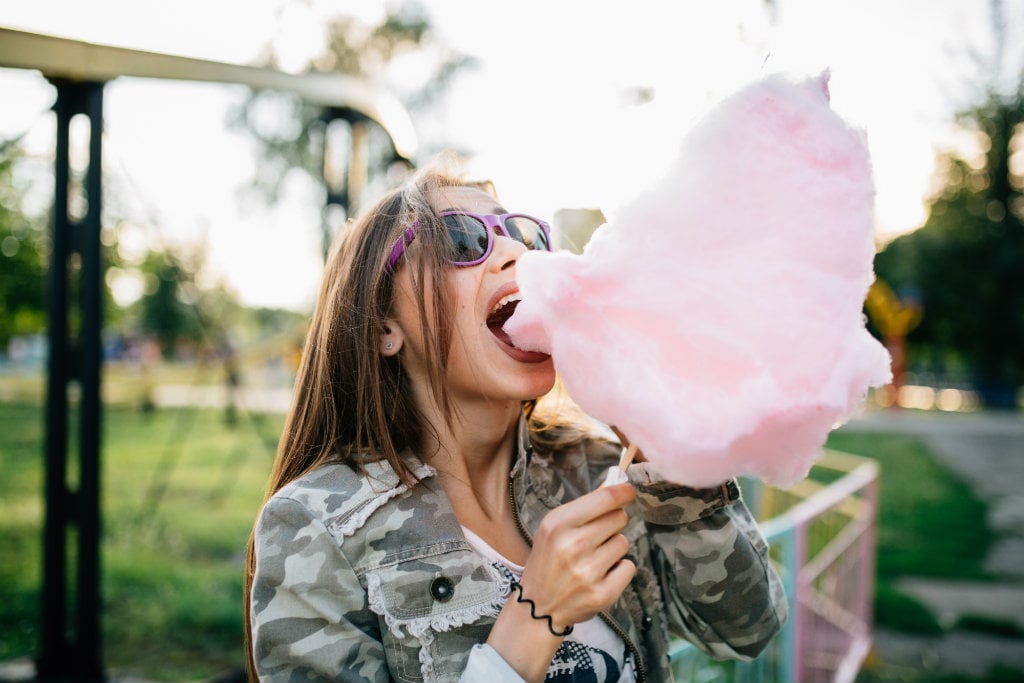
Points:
(55, 648)
(90, 410)
(71, 652)
(358, 165)
(344, 186)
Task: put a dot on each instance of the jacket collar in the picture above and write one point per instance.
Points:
(520, 462)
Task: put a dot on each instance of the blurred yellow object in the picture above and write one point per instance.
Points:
(893, 318)
(891, 315)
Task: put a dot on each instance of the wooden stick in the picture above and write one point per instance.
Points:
(627, 457)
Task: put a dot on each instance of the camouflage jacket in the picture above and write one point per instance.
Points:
(359, 578)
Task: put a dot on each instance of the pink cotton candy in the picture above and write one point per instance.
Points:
(717, 319)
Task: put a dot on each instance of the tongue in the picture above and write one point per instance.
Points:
(497, 320)
(496, 324)
(500, 333)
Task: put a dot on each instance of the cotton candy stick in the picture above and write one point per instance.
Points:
(627, 457)
(617, 474)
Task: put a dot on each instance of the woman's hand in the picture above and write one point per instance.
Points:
(577, 567)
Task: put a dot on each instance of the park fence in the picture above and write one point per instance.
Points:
(822, 537)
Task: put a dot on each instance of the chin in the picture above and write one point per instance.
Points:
(542, 382)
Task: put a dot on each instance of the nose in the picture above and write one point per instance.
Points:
(505, 251)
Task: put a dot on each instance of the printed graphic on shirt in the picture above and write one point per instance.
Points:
(578, 663)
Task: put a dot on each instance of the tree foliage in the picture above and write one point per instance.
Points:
(357, 49)
(966, 264)
(176, 309)
(24, 248)
(286, 129)
(161, 311)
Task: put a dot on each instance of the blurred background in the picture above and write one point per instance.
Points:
(217, 211)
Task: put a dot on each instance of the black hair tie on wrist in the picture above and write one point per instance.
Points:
(533, 613)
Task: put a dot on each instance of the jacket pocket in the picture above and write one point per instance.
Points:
(434, 609)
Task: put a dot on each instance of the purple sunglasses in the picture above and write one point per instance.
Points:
(472, 235)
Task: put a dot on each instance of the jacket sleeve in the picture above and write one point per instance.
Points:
(721, 591)
(309, 612)
(485, 664)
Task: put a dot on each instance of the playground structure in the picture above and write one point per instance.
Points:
(822, 539)
(70, 647)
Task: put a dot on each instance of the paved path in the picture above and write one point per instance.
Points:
(986, 451)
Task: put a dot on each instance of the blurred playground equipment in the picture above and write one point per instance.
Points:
(70, 619)
(822, 539)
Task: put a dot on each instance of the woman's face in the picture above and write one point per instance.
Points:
(482, 364)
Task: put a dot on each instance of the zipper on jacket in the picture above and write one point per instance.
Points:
(641, 674)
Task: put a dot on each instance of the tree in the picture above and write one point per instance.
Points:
(23, 250)
(965, 263)
(176, 310)
(161, 311)
(289, 131)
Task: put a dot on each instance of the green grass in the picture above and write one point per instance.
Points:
(998, 674)
(990, 625)
(929, 522)
(180, 490)
(20, 527)
(900, 612)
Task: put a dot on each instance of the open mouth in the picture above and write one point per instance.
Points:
(500, 314)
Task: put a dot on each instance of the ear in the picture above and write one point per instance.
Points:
(391, 338)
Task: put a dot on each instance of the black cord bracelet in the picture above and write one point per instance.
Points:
(533, 613)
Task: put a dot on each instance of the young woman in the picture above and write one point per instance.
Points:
(425, 524)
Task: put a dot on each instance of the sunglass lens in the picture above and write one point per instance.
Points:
(469, 238)
(527, 231)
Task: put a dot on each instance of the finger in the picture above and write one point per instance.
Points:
(609, 553)
(609, 588)
(622, 494)
(605, 527)
(611, 497)
(589, 507)
(619, 576)
(581, 542)
(589, 574)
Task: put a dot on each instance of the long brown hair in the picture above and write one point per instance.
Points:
(351, 403)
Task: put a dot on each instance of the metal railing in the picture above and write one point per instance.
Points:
(822, 538)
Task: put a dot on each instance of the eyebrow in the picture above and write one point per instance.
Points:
(498, 210)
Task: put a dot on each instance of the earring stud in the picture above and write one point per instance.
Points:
(387, 347)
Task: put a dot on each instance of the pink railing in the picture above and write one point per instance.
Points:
(823, 542)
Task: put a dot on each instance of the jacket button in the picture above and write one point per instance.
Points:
(647, 621)
(442, 589)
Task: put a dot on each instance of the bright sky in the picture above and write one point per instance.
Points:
(548, 112)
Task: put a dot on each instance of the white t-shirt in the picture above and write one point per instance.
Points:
(592, 653)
